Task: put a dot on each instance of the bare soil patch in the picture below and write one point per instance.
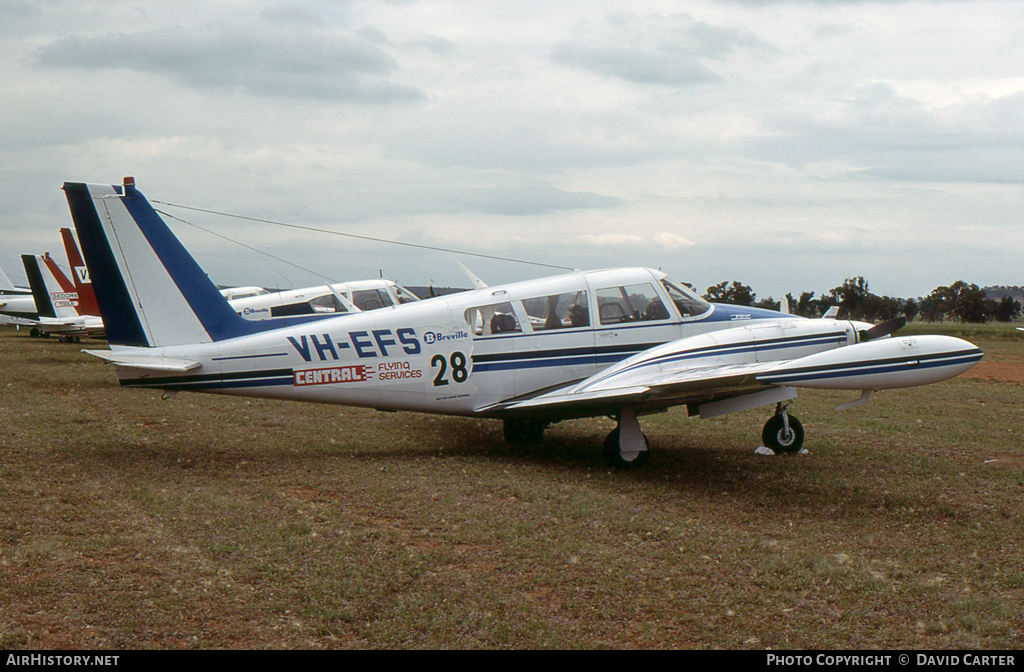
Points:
(1003, 372)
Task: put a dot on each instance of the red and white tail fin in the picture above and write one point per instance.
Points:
(80, 275)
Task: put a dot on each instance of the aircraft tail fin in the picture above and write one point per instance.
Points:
(80, 276)
(5, 282)
(149, 289)
(831, 313)
(53, 293)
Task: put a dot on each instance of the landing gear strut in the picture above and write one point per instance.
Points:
(627, 447)
(783, 433)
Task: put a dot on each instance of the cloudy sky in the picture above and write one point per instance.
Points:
(785, 144)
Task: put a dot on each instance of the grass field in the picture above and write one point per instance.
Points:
(131, 522)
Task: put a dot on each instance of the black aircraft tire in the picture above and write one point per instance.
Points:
(614, 458)
(774, 435)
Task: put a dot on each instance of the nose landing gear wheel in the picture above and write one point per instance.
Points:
(780, 438)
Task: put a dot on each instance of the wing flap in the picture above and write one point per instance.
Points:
(564, 400)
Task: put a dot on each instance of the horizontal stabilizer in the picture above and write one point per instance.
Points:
(143, 362)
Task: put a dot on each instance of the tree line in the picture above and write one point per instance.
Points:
(959, 302)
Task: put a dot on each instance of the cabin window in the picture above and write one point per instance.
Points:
(558, 311)
(371, 299)
(404, 295)
(328, 303)
(630, 303)
(688, 303)
(498, 318)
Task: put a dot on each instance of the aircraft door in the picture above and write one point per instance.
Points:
(489, 328)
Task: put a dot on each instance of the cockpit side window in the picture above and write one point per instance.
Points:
(630, 303)
(498, 318)
(558, 311)
(327, 303)
(404, 295)
(371, 299)
(688, 303)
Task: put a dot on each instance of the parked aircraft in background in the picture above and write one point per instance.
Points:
(343, 297)
(80, 277)
(231, 293)
(621, 343)
(57, 301)
(16, 303)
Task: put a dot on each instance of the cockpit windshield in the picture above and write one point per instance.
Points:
(404, 295)
(686, 300)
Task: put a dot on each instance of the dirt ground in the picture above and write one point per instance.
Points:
(1003, 372)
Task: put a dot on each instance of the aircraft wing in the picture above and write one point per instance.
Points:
(652, 390)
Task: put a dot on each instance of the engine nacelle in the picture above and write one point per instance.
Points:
(879, 365)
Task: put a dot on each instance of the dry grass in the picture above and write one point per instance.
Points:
(206, 521)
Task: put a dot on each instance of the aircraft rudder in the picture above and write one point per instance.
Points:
(120, 317)
(218, 319)
(79, 275)
(44, 306)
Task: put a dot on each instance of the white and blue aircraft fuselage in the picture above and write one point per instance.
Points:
(622, 343)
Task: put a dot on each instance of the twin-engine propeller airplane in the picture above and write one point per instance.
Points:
(620, 343)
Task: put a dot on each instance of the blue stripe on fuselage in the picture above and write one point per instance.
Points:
(600, 355)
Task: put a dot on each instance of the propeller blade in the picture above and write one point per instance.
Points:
(883, 329)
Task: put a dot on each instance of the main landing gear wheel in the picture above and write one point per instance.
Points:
(783, 433)
(617, 460)
(519, 431)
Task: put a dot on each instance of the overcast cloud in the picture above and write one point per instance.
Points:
(785, 144)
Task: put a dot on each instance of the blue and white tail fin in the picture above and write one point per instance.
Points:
(40, 293)
(150, 291)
